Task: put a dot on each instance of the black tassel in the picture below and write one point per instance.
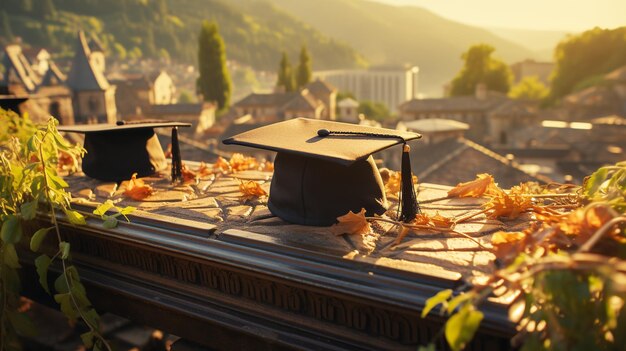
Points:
(177, 163)
(408, 199)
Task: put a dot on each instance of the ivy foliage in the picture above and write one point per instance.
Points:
(30, 185)
(566, 276)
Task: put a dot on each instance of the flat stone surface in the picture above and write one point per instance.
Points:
(218, 201)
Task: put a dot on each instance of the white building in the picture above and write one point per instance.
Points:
(391, 86)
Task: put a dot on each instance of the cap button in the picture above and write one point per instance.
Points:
(323, 132)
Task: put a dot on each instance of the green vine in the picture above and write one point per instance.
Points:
(566, 277)
(30, 184)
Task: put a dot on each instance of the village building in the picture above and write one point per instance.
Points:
(93, 96)
(137, 92)
(316, 100)
(389, 85)
(531, 68)
(348, 110)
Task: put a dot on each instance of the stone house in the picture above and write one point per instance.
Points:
(135, 93)
(47, 93)
(317, 100)
(347, 110)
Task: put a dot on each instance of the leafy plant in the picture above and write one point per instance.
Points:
(30, 184)
(566, 273)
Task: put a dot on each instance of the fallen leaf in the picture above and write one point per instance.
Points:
(393, 183)
(189, 176)
(441, 221)
(67, 162)
(136, 189)
(581, 224)
(221, 165)
(351, 223)
(507, 205)
(204, 170)
(266, 166)
(239, 162)
(251, 190)
(482, 185)
(506, 244)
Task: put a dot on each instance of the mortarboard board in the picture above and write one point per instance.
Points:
(324, 169)
(116, 151)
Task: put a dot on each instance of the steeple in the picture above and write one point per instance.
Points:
(85, 74)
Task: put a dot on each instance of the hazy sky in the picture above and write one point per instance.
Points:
(570, 15)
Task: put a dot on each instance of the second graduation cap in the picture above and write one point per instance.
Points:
(116, 151)
(324, 169)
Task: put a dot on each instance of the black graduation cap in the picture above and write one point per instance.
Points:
(116, 151)
(324, 169)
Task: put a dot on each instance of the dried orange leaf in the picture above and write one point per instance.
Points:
(188, 175)
(136, 189)
(239, 162)
(351, 223)
(441, 221)
(393, 184)
(221, 165)
(507, 205)
(507, 243)
(204, 170)
(251, 189)
(482, 185)
(581, 224)
(67, 162)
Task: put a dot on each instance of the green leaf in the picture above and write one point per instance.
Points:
(10, 256)
(65, 302)
(60, 285)
(32, 143)
(452, 304)
(11, 280)
(92, 318)
(595, 181)
(127, 210)
(462, 326)
(42, 263)
(80, 295)
(429, 347)
(87, 339)
(11, 231)
(37, 185)
(55, 180)
(103, 208)
(110, 222)
(64, 247)
(61, 142)
(38, 238)
(75, 217)
(439, 298)
(29, 209)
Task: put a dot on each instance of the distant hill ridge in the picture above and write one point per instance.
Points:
(338, 33)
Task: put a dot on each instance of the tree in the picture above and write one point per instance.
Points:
(374, 110)
(214, 82)
(303, 73)
(529, 88)
(480, 67)
(583, 59)
(285, 75)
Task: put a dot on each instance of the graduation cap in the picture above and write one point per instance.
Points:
(324, 169)
(116, 151)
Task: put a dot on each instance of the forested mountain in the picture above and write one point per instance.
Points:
(388, 34)
(338, 33)
(255, 32)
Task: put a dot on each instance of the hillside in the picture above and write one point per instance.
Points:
(255, 33)
(388, 34)
(542, 42)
